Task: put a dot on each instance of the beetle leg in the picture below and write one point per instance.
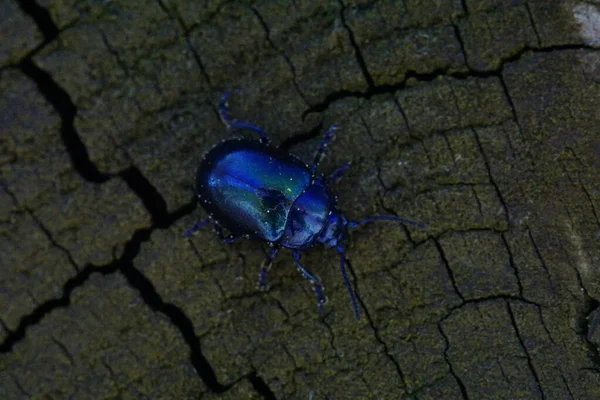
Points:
(317, 285)
(265, 267)
(235, 124)
(197, 226)
(355, 306)
(226, 239)
(329, 135)
(337, 173)
(406, 221)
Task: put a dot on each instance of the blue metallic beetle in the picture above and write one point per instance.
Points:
(261, 192)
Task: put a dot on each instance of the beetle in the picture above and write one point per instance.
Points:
(261, 192)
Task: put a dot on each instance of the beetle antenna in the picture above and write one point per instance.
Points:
(406, 221)
(355, 306)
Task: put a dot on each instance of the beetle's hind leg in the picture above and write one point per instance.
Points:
(329, 135)
(235, 124)
(196, 227)
(226, 239)
(265, 267)
(200, 224)
(317, 285)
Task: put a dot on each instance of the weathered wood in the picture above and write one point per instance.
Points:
(479, 117)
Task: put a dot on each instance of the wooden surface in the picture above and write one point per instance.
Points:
(478, 117)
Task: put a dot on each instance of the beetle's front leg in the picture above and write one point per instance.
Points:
(265, 267)
(337, 174)
(353, 298)
(317, 285)
(234, 123)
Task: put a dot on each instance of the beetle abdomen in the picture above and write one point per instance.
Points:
(250, 187)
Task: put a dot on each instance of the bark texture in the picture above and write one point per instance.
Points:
(479, 117)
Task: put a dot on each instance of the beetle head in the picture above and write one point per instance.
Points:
(335, 230)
